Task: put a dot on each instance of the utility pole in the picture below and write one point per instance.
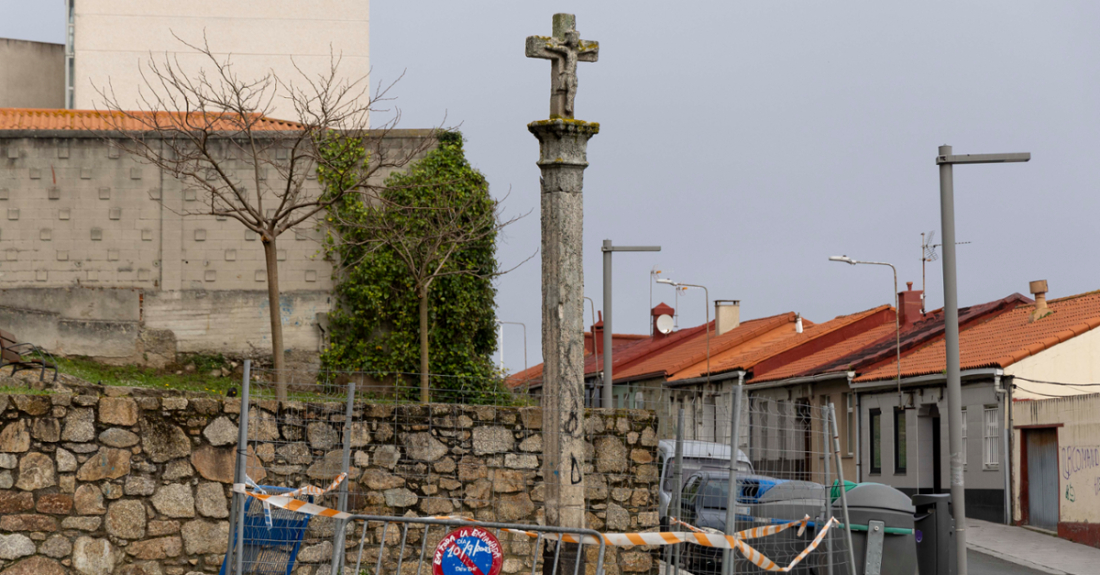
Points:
(946, 161)
(607, 400)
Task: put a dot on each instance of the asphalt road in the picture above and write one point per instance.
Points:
(982, 564)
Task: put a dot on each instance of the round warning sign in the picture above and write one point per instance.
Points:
(468, 551)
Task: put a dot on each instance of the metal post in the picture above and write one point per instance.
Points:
(236, 537)
(608, 383)
(731, 501)
(828, 489)
(342, 497)
(951, 339)
(677, 485)
(843, 491)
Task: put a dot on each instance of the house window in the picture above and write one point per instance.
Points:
(849, 422)
(899, 442)
(876, 441)
(964, 436)
(990, 435)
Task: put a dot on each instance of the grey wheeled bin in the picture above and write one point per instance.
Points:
(883, 539)
(935, 536)
(788, 501)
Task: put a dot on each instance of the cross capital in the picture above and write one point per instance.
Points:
(564, 49)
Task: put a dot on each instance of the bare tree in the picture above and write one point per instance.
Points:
(210, 129)
(426, 220)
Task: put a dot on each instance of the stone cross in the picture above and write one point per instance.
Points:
(564, 49)
(563, 146)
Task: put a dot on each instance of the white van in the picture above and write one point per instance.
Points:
(698, 455)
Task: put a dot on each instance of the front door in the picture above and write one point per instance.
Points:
(1042, 478)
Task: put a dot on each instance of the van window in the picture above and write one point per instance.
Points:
(716, 494)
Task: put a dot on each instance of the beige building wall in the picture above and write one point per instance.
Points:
(114, 40)
(1076, 360)
(32, 74)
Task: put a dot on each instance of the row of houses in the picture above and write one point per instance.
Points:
(884, 372)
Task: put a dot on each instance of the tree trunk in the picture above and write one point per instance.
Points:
(277, 358)
(425, 395)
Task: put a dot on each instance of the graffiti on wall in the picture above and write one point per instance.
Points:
(1080, 460)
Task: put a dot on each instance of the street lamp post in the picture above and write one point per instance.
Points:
(608, 387)
(946, 161)
(897, 312)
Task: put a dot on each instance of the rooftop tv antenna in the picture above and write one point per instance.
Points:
(928, 254)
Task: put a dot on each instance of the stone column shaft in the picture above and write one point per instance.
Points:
(563, 147)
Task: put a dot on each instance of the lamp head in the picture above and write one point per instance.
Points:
(666, 281)
(844, 259)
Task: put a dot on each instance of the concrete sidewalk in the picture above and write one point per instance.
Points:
(1032, 549)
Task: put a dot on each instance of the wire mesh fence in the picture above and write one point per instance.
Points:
(475, 452)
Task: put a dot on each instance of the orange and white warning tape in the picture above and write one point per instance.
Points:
(697, 536)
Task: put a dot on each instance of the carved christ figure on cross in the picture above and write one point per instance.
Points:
(564, 49)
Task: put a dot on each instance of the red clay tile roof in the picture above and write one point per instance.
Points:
(751, 357)
(92, 120)
(1002, 340)
(808, 364)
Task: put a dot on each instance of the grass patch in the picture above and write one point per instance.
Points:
(137, 376)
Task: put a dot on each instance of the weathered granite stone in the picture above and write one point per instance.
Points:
(36, 471)
(15, 438)
(37, 565)
(93, 556)
(46, 429)
(532, 444)
(28, 523)
(479, 494)
(178, 469)
(636, 562)
(9, 460)
(423, 447)
(399, 497)
(295, 453)
(380, 479)
(220, 432)
(492, 440)
(86, 400)
(66, 461)
(158, 528)
(15, 502)
(435, 506)
(387, 456)
(7, 480)
(521, 461)
(15, 546)
(508, 481)
(163, 441)
(327, 467)
(112, 491)
(316, 553)
(81, 523)
(618, 519)
(218, 463)
(174, 500)
(54, 503)
(139, 485)
(79, 426)
(648, 519)
(205, 405)
(649, 437)
(610, 455)
(360, 434)
(143, 568)
(641, 456)
(205, 536)
(210, 500)
(126, 519)
(322, 436)
(118, 411)
(514, 507)
(262, 426)
(174, 403)
(57, 546)
(105, 464)
(157, 548)
(118, 437)
(32, 404)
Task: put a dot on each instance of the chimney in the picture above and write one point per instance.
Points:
(727, 315)
(1039, 290)
(597, 335)
(798, 323)
(910, 302)
(657, 311)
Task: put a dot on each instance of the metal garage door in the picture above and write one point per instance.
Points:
(1042, 478)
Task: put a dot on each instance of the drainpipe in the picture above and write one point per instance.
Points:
(1003, 398)
(859, 427)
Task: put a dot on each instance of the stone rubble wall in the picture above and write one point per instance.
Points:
(141, 485)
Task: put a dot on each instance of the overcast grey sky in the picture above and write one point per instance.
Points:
(752, 140)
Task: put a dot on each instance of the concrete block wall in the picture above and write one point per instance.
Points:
(77, 211)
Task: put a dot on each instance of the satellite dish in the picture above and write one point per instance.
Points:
(664, 324)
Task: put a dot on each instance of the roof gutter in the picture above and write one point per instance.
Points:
(931, 378)
(740, 373)
(801, 380)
